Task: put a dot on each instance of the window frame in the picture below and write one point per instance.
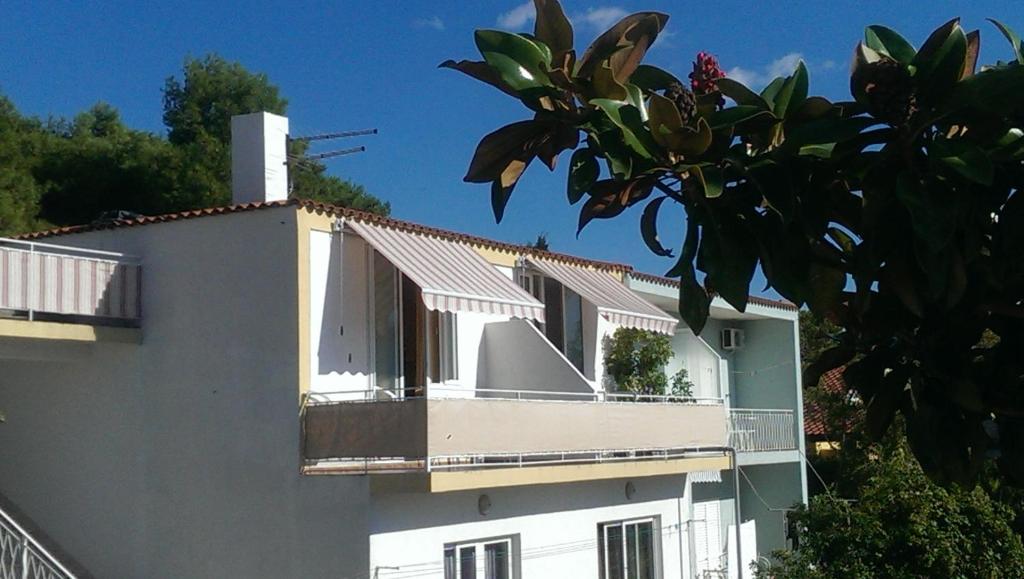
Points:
(655, 563)
(479, 547)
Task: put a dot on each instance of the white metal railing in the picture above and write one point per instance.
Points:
(755, 430)
(442, 392)
(42, 278)
(22, 557)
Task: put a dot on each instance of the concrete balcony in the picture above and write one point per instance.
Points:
(505, 439)
(67, 293)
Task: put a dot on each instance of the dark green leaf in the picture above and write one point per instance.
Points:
(482, 72)
(727, 252)
(649, 227)
(741, 94)
(713, 181)
(652, 78)
(965, 158)
(519, 62)
(997, 90)
(792, 93)
(733, 116)
(769, 93)
(583, 173)
(515, 142)
(628, 119)
(1011, 36)
(889, 42)
(940, 62)
(501, 188)
(694, 302)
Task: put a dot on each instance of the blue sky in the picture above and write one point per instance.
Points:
(363, 64)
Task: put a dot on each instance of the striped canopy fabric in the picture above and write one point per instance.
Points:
(614, 301)
(451, 276)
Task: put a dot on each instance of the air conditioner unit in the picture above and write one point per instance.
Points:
(732, 339)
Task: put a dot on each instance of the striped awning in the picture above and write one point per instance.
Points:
(451, 276)
(614, 301)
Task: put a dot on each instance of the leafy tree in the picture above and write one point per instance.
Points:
(197, 112)
(894, 215)
(19, 192)
(817, 335)
(635, 360)
(900, 524)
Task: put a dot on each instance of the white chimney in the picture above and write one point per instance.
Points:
(259, 157)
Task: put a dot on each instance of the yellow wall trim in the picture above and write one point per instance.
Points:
(71, 332)
(440, 482)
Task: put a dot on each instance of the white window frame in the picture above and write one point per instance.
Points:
(655, 563)
(479, 547)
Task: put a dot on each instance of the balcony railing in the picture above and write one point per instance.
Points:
(762, 430)
(44, 281)
(482, 429)
(22, 556)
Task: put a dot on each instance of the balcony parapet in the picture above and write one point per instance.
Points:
(42, 281)
(761, 430)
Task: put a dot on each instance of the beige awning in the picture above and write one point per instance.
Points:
(614, 301)
(451, 276)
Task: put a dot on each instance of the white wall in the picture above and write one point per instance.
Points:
(339, 331)
(557, 526)
(700, 361)
(179, 456)
(516, 356)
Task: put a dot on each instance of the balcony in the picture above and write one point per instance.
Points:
(60, 292)
(504, 438)
(762, 430)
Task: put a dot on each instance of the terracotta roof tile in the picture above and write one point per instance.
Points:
(340, 212)
(670, 282)
(815, 417)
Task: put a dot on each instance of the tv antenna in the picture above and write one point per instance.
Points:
(310, 160)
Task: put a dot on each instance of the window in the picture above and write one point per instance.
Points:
(628, 549)
(708, 556)
(384, 292)
(483, 559)
(563, 314)
(444, 346)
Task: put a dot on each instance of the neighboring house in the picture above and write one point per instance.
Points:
(281, 388)
(821, 434)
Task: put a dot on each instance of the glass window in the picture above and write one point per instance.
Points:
(385, 323)
(484, 559)
(573, 316)
(553, 324)
(627, 550)
(443, 347)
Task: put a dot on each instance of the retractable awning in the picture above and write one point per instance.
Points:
(451, 276)
(614, 301)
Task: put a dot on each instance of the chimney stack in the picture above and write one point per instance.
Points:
(259, 158)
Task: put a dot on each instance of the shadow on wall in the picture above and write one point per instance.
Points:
(330, 353)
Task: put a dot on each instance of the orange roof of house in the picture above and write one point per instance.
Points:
(380, 220)
(815, 419)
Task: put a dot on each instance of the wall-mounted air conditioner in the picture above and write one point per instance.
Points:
(732, 339)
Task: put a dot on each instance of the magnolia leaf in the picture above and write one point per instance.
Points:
(583, 173)
(814, 107)
(628, 118)
(825, 288)
(500, 148)
(663, 118)
(769, 93)
(695, 142)
(965, 158)
(733, 116)
(649, 228)
(481, 71)
(519, 61)
(713, 181)
(605, 202)
(501, 188)
(559, 138)
(552, 27)
(623, 45)
(727, 253)
(792, 93)
(694, 302)
(651, 78)
(863, 55)
(940, 61)
(971, 59)
(605, 86)
(741, 94)
(1011, 36)
(889, 42)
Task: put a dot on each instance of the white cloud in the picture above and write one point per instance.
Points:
(434, 22)
(601, 18)
(518, 16)
(758, 78)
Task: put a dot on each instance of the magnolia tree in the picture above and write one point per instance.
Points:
(894, 215)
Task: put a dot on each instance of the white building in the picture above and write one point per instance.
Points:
(284, 389)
